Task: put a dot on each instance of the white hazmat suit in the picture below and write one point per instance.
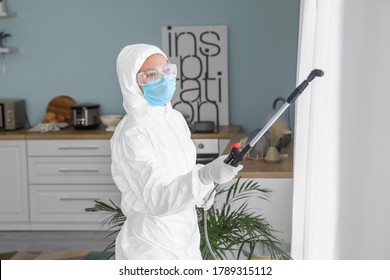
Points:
(153, 165)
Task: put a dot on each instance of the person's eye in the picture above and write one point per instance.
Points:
(150, 75)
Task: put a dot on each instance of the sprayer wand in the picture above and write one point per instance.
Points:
(237, 154)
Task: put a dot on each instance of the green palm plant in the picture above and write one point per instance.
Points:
(233, 228)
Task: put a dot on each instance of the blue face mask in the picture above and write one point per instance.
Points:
(159, 94)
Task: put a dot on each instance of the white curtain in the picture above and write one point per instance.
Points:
(317, 132)
(341, 169)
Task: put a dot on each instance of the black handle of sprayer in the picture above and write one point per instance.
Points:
(237, 154)
(294, 95)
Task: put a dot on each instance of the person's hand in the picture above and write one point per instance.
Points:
(217, 171)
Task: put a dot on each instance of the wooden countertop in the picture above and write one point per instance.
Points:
(225, 132)
(259, 168)
(13, 135)
(253, 168)
(67, 133)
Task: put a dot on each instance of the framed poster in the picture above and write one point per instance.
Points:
(201, 56)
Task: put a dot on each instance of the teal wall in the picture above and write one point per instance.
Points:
(70, 48)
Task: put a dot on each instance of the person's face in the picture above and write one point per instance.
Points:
(151, 62)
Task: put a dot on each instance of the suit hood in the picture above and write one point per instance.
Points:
(129, 61)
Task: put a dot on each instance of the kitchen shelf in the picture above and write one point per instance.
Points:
(7, 14)
(9, 50)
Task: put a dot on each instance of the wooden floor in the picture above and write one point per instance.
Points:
(53, 240)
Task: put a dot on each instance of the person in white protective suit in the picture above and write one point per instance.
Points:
(153, 163)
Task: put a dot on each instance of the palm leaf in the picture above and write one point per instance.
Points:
(238, 226)
(113, 217)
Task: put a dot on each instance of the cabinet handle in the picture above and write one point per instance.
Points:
(78, 198)
(77, 170)
(78, 148)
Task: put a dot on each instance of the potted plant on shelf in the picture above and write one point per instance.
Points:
(233, 228)
(3, 36)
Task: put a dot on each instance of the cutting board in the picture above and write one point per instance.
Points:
(61, 106)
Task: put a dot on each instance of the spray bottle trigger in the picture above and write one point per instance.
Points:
(234, 152)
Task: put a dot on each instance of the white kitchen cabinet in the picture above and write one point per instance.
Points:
(210, 146)
(206, 150)
(206, 146)
(47, 184)
(47, 180)
(70, 170)
(67, 203)
(67, 148)
(277, 210)
(65, 177)
(14, 205)
(209, 149)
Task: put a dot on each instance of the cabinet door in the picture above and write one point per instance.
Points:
(277, 210)
(70, 170)
(13, 181)
(67, 203)
(68, 148)
(206, 150)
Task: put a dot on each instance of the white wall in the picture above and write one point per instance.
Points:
(365, 131)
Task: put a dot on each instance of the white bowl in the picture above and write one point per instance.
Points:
(110, 121)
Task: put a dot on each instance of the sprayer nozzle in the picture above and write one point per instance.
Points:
(315, 73)
(318, 72)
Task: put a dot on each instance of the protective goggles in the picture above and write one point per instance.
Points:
(154, 75)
